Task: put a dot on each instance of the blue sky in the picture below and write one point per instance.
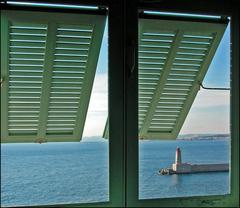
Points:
(209, 112)
(219, 70)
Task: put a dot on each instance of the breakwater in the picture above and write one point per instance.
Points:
(180, 168)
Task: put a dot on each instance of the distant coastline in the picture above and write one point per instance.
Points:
(203, 136)
(188, 137)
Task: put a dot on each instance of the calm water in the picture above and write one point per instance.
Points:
(78, 172)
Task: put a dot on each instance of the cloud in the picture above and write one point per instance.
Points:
(210, 113)
(98, 107)
(212, 98)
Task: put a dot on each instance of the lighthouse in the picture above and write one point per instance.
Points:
(178, 158)
(178, 166)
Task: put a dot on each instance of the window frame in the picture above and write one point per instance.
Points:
(123, 149)
(116, 120)
(232, 199)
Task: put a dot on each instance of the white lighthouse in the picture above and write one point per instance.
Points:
(178, 166)
(178, 157)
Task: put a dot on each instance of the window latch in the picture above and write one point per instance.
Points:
(132, 60)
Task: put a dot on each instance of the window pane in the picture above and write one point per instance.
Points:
(63, 172)
(176, 115)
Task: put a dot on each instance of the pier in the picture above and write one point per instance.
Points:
(182, 168)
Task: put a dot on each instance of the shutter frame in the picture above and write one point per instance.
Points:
(169, 127)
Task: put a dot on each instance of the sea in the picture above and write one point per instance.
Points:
(78, 172)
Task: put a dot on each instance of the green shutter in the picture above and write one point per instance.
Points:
(174, 57)
(48, 66)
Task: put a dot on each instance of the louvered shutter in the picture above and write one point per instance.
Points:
(48, 66)
(174, 57)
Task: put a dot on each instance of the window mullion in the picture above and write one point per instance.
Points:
(117, 183)
(131, 102)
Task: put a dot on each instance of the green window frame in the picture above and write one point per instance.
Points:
(123, 127)
(132, 146)
(48, 67)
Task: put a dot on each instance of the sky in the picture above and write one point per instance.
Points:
(209, 112)
(98, 106)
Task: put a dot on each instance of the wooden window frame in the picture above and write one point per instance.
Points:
(123, 102)
(193, 7)
(116, 55)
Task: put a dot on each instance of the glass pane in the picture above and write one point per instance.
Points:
(64, 172)
(183, 156)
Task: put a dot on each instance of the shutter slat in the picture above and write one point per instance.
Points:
(152, 55)
(65, 52)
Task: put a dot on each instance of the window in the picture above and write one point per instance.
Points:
(54, 89)
(174, 56)
(150, 193)
(122, 127)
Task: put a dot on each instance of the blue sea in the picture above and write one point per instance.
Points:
(53, 173)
